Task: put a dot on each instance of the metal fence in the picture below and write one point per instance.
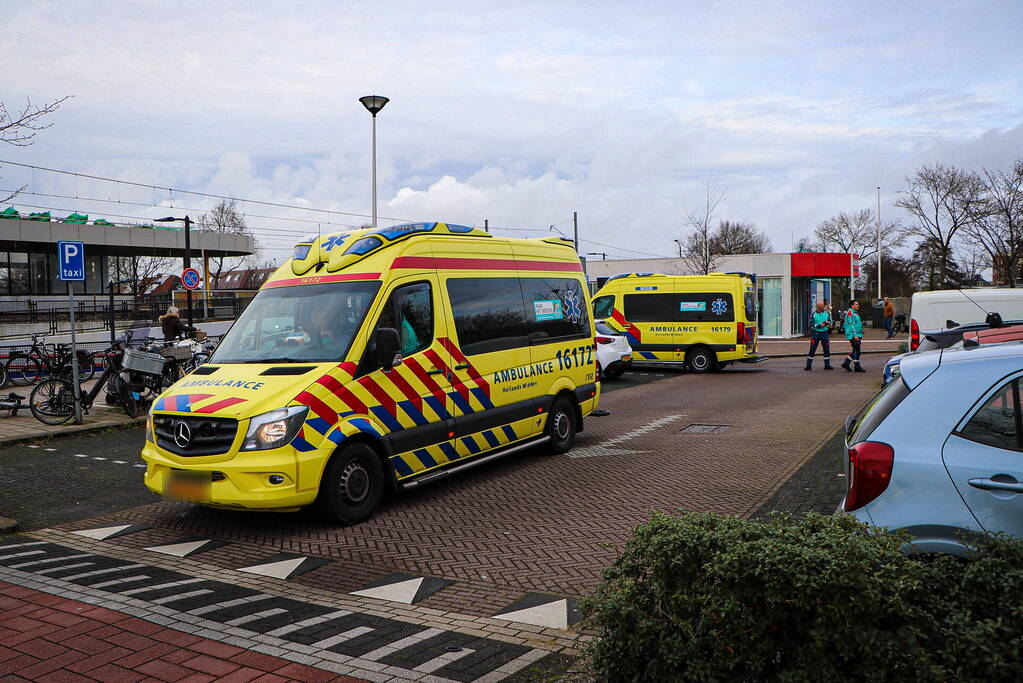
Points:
(52, 317)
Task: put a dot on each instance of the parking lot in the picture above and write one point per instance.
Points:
(533, 523)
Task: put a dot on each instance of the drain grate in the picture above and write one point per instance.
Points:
(705, 429)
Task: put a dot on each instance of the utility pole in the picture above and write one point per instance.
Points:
(486, 225)
(878, 242)
(575, 227)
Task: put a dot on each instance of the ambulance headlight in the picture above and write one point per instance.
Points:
(275, 428)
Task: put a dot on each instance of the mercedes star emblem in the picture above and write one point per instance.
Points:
(182, 434)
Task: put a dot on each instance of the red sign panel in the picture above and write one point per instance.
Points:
(821, 265)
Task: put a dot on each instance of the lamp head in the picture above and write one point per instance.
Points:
(166, 219)
(374, 103)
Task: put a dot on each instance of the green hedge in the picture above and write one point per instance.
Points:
(700, 597)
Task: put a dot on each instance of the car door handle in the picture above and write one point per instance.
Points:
(991, 484)
(463, 366)
(435, 371)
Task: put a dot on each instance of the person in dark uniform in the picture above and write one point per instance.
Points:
(820, 333)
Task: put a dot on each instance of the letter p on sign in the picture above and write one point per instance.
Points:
(71, 257)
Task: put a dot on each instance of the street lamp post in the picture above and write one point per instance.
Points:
(373, 104)
(679, 243)
(188, 253)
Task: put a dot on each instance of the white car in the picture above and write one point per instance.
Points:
(934, 310)
(614, 355)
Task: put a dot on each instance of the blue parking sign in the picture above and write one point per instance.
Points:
(71, 257)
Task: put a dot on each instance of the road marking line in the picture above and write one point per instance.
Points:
(139, 465)
(81, 455)
(52, 559)
(49, 449)
(605, 448)
(256, 617)
(114, 582)
(98, 458)
(327, 643)
(159, 586)
(182, 596)
(299, 625)
(33, 446)
(229, 603)
(97, 572)
(443, 660)
(118, 462)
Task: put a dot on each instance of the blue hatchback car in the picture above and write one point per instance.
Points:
(939, 451)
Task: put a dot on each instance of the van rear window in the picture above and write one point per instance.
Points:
(877, 410)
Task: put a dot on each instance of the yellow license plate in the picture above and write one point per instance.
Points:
(194, 488)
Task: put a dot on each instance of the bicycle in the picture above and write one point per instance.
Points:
(52, 401)
(27, 367)
(899, 327)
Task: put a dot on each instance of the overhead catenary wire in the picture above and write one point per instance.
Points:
(274, 233)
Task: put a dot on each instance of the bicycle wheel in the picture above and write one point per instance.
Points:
(52, 401)
(86, 366)
(3, 376)
(23, 370)
(130, 400)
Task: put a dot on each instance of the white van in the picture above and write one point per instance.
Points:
(932, 310)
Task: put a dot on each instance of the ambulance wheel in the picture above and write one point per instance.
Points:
(561, 426)
(352, 485)
(701, 360)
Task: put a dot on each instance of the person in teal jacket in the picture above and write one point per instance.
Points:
(820, 333)
(854, 333)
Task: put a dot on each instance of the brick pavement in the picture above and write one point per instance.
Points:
(534, 523)
(235, 620)
(45, 637)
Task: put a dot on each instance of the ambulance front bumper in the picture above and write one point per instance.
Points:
(257, 480)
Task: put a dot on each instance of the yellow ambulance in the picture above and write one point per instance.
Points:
(704, 322)
(381, 358)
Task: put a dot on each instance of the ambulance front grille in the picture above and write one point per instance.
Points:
(193, 436)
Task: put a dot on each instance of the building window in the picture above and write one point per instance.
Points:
(5, 274)
(19, 273)
(770, 300)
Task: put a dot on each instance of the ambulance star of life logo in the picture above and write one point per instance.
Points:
(333, 241)
(719, 306)
(573, 311)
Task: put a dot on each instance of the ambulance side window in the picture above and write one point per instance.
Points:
(489, 314)
(410, 311)
(603, 306)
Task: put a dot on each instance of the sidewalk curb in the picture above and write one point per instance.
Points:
(76, 430)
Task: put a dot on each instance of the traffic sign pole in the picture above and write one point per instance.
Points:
(71, 261)
(76, 380)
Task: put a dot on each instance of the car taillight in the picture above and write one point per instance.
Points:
(605, 340)
(740, 333)
(870, 470)
(914, 335)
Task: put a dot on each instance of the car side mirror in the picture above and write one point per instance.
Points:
(387, 347)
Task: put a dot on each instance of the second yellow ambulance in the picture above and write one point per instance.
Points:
(704, 322)
(381, 358)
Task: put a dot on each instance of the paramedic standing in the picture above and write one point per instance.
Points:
(889, 317)
(820, 331)
(854, 333)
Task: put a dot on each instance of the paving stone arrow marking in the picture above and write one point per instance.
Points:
(606, 448)
(103, 533)
(285, 566)
(185, 548)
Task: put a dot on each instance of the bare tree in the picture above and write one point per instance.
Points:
(996, 221)
(21, 127)
(225, 218)
(695, 246)
(939, 198)
(856, 233)
(138, 270)
(733, 237)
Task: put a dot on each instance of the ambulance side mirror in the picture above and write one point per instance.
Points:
(387, 347)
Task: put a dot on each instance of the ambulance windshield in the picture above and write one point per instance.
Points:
(301, 324)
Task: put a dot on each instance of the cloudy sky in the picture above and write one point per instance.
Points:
(520, 113)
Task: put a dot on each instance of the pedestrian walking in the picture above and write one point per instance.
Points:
(854, 333)
(820, 333)
(889, 317)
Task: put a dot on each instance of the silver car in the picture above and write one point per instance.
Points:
(939, 451)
